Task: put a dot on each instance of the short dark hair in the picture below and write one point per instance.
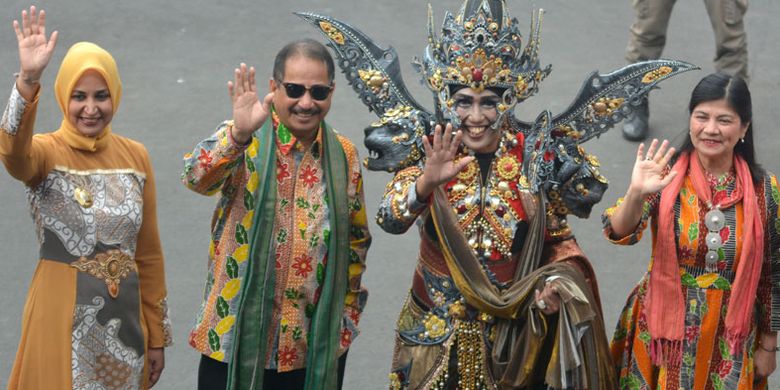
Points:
(308, 48)
(735, 91)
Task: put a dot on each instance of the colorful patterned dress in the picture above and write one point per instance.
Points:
(97, 300)
(707, 362)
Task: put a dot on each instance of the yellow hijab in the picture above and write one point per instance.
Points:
(80, 58)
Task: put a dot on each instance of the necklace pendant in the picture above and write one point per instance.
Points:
(714, 241)
(711, 263)
(83, 197)
(714, 220)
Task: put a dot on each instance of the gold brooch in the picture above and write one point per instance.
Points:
(110, 267)
(508, 167)
(83, 197)
(434, 326)
(468, 172)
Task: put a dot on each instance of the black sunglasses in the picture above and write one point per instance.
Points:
(318, 92)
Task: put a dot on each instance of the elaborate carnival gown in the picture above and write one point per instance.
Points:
(498, 231)
(442, 340)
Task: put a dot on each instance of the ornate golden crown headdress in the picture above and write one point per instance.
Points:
(481, 48)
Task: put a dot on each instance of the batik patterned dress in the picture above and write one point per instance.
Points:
(97, 300)
(707, 362)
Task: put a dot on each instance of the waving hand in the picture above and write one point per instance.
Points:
(647, 176)
(35, 50)
(440, 163)
(248, 112)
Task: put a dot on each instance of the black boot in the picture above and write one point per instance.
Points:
(635, 126)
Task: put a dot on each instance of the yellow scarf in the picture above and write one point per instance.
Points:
(81, 57)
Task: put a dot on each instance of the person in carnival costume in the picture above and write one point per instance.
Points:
(704, 315)
(96, 313)
(502, 296)
(289, 235)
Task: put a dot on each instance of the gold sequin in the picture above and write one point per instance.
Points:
(457, 310)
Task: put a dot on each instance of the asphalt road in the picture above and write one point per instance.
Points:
(175, 58)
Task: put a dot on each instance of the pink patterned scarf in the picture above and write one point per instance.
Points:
(665, 301)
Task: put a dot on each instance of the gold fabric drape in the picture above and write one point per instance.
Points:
(574, 349)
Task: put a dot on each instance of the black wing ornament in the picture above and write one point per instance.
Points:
(556, 161)
(574, 183)
(394, 141)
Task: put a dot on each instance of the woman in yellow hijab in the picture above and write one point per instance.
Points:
(96, 313)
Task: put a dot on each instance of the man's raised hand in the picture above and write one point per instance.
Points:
(248, 112)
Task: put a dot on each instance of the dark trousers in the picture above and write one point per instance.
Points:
(212, 375)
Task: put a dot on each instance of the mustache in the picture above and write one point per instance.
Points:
(300, 111)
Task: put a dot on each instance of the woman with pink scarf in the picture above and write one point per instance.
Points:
(707, 312)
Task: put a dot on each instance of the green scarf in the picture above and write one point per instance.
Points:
(247, 363)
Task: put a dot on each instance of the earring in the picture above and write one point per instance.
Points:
(742, 140)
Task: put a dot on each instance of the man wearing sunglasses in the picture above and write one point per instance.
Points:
(289, 236)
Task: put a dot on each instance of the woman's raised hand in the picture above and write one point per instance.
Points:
(440, 164)
(248, 112)
(35, 49)
(647, 178)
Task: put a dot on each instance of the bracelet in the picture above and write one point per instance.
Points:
(774, 349)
